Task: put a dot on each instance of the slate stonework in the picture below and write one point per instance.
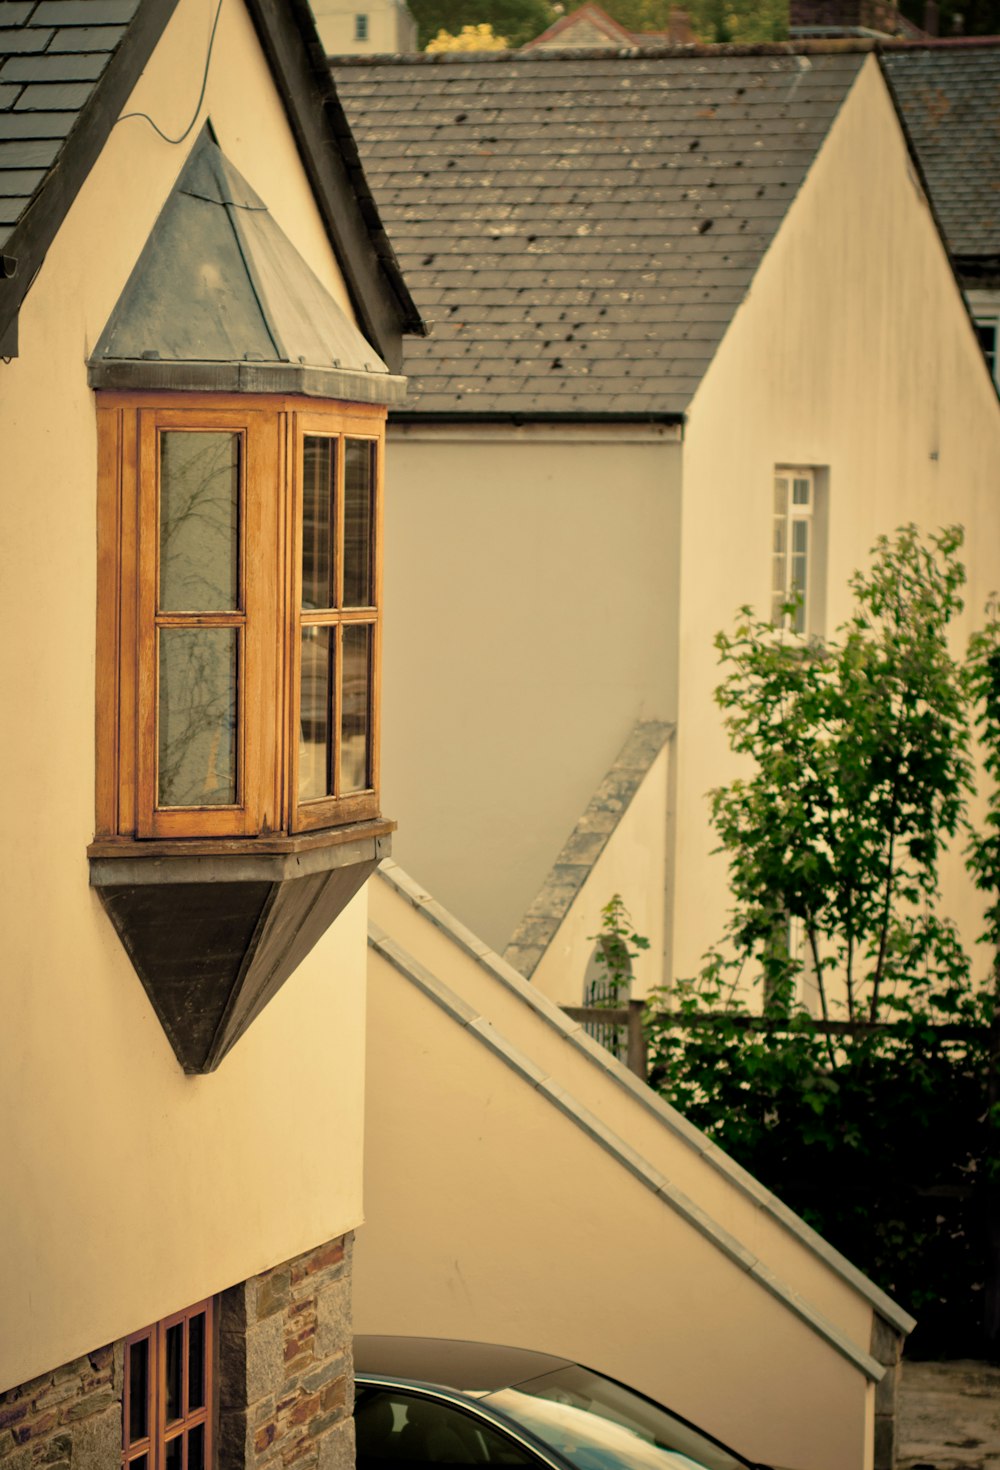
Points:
(286, 1381)
(66, 1419)
(286, 1378)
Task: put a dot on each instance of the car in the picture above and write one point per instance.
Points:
(431, 1401)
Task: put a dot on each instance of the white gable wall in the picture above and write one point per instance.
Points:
(851, 352)
(531, 579)
(133, 1190)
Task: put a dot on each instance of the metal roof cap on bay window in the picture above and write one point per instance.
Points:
(220, 300)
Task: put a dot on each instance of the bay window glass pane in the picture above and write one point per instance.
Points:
(196, 717)
(138, 1390)
(199, 521)
(196, 1448)
(196, 1362)
(315, 719)
(354, 709)
(174, 1369)
(359, 522)
(319, 499)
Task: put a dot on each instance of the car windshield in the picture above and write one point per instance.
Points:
(601, 1425)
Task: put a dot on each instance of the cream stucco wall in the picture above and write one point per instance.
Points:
(521, 1228)
(634, 865)
(132, 1190)
(851, 352)
(531, 596)
(391, 27)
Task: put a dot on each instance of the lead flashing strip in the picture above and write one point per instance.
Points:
(485, 1032)
(501, 970)
(249, 377)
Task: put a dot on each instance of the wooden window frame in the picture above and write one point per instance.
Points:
(160, 1434)
(273, 430)
(307, 816)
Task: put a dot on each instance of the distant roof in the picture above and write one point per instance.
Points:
(67, 68)
(579, 230)
(949, 96)
(589, 25)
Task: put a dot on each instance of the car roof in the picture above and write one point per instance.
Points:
(468, 1366)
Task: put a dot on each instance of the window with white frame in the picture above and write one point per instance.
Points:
(794, 548)
(361, 27)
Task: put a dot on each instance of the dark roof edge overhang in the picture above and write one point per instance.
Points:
(378, 291)
(529, 416)
(978, 270)
(416, 418)
(247, 377)
(28, 244)
(953, 262)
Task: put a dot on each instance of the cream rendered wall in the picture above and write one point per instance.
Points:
(852, 351)
(391, 27)
(531, 579)
(521, 1229)
(634, 864)
(131, 1189)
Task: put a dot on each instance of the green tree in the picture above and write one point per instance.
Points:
(860, 771)
(857, 774)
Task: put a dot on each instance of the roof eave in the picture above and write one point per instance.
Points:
(374, 280)
(29, 242)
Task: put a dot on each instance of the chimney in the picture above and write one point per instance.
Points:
(679, 32)
(932, 17)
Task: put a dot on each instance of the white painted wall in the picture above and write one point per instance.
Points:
(131, 1189)
(521, 1229)
(633, 864)
(852, 351)
(531, 580)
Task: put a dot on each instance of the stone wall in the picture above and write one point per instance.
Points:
(68, 1419)
(286, 1378)
(887, 1349)
(286, 1382)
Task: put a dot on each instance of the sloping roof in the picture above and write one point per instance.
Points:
(949, 97)
(260, 321)
(67, 68)
(588, 25)
(579, 230)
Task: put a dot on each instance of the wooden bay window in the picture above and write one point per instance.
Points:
(239, 621)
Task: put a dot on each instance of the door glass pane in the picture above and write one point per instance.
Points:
(138, 1390)
(315, 723)
(174, 1370)
(139, 1463)
(196, 717)
(355, 703)
(196, 1448)
(196, 1362)
(319, 484)
(175, 1450)
(359, 518)
(199, 521)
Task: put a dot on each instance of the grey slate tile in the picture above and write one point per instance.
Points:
(87, 38)
(35, 124)
(8, 96)
(84, 12)
(11, 208)
(68, 67)
(23, 39)
(15, 12)
(20, 181)
(28, 153)
(57, 97)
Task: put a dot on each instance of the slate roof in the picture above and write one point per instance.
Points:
(579, 230)
(53, 53)
(67, 67)
(949, 97)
